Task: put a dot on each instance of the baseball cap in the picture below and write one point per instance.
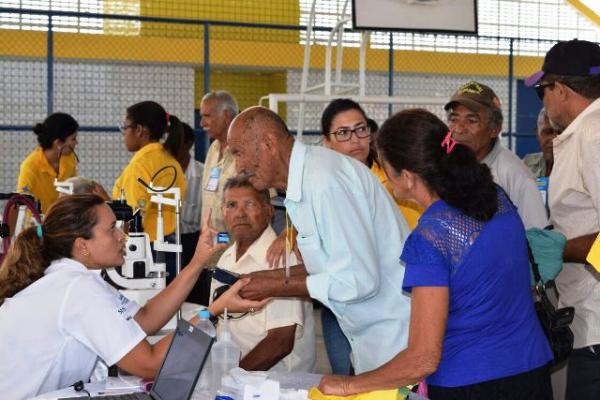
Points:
(570, 58)
(474, 95)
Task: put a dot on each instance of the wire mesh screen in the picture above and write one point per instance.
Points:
(135, 50)
(97, 95)
(24, 91)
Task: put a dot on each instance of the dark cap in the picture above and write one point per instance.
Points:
(572, 58)
(474, 96)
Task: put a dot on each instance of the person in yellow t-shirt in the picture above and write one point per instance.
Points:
(54, 158)
(155, 163)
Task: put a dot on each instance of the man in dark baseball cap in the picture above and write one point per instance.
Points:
(569, 85)
(475, 120)
(572, 58)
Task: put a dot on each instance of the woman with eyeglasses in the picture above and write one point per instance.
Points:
(154, 163)
(54, 159)
(474, 333)
(347, 130)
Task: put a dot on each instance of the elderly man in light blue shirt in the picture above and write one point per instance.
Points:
(350, 234)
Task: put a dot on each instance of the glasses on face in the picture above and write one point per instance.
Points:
(124, 127)
(344, 134)
(540, 88)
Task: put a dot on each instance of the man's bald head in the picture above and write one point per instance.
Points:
(258, 138)
(256, 121)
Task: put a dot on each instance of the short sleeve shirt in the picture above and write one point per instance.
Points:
(516, 179)
(492, 329)
(250, 329)
(574, 201)
(54, 330)
(145, 163)
(36, 176)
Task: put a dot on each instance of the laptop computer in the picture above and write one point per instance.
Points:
(180, 370)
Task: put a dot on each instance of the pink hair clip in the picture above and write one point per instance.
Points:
(448, 142)
(168, 118)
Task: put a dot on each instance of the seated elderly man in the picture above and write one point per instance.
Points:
(281, 336)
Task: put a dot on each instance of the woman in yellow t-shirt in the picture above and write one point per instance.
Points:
(54, 159)
(347, 130)
(154, 163)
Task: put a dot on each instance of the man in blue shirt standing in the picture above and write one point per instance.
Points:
(350, 234)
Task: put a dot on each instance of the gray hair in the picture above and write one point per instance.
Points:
(225, 101)
(82, 185)
(540, 119)
(494, 114)
(243, 181)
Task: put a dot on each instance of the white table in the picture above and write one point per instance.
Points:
(128, 384)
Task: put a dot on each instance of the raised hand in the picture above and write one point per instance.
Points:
(206, 246)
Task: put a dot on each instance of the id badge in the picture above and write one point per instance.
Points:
(542, 184)
(213, 180)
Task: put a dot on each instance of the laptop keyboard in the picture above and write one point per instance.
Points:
(129, 396)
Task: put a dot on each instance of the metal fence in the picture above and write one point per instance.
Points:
(94, 65)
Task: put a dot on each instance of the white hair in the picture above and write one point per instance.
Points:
(81, 185)
(225, 101)
(540, 119)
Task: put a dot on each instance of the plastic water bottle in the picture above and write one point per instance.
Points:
(205, 382)
(225, 355)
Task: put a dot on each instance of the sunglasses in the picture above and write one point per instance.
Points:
(540, 88)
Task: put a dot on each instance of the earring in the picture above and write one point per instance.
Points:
(85, 253)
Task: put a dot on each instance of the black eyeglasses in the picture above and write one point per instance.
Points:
(344, 134)
(540, 88)
(124, 127)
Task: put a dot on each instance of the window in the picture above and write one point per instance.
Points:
(64, 23)
(535, 23)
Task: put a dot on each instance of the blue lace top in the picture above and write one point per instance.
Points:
(492, 329)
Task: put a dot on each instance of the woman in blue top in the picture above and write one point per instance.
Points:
(473, 333)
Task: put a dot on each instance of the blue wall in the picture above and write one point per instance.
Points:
(528, 108)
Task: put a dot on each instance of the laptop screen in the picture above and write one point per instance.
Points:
(184, 361)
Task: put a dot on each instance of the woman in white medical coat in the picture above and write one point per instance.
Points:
(57, 315)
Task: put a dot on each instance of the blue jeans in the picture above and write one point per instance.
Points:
(583, 374)
(336, 344)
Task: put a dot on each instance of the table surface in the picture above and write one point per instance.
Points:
(128, 384)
